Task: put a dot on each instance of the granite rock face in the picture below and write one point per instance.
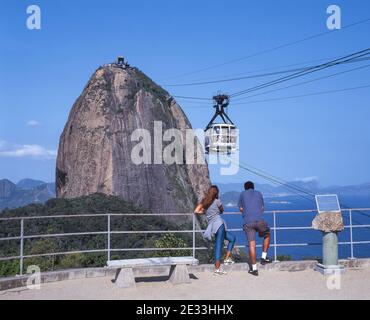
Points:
(95, 147)
(328, 222)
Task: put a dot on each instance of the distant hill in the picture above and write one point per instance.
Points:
(230, 191)
(28, 184)
(24, 192)
(272, 190)
(29, 191)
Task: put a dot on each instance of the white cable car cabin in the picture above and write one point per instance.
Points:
(220, 137)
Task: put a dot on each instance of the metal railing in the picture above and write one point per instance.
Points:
(109, 232)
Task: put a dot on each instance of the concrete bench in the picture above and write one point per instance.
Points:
(179, 272)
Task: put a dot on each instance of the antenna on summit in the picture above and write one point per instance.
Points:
(120, 62)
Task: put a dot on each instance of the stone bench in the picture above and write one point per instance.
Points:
(179, 272)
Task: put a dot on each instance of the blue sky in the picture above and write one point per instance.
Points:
(325, 136)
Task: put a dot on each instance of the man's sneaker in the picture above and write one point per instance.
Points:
(253, 272)
(265, 261)
(219, 272)
(229, 261)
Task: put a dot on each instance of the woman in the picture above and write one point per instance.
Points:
(212, 207)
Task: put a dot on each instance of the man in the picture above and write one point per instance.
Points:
(252, 206)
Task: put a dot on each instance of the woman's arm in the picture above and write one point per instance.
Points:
(199, 209)
(220, 206)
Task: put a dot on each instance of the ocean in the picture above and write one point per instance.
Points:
(313, 237)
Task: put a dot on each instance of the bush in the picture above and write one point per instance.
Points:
(169, 240)
(10, 267)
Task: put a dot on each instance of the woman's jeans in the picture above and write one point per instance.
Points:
(221, 235)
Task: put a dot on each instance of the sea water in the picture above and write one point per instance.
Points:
(309, 242)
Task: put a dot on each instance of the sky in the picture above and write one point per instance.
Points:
(324, 137)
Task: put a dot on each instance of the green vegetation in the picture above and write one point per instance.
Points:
(148, 84)
(284, 257)
(169, 240)
(93, 204)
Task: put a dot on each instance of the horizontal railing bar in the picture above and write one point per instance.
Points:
(152, 249)
(97, 215)
(9, 258)
(292, 228)
(354, 242)
(150, 214)
(56, 235)
(153, 232)
(359, 226)
(10, 238)
(55, 217)
(63, 253)
(278, 211)
(163, 214)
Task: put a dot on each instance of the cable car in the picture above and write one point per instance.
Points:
(220, 137)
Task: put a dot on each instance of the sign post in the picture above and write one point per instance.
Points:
(329, 221)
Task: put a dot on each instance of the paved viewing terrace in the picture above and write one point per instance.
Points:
(284, 280)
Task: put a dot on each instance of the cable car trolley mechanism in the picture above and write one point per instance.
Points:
(220, 137)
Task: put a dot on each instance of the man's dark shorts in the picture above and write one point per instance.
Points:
(257, 226)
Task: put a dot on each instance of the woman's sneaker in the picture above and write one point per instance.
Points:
(229, 261)
(219, 272)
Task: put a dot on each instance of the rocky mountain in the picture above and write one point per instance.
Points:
(96, 146)
(24, 192)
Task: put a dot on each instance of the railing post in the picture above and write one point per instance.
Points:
(351, 232)
(21, 254)
(275, 248)
(108, 235)
(194, 236)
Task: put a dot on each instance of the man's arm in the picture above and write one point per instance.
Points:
(263, 203)
(240, 203)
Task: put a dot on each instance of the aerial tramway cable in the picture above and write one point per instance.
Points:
(251, 76)
(309, 70)
(304, 82)
(269, 50)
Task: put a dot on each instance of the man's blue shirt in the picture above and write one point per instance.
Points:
(252, 203)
